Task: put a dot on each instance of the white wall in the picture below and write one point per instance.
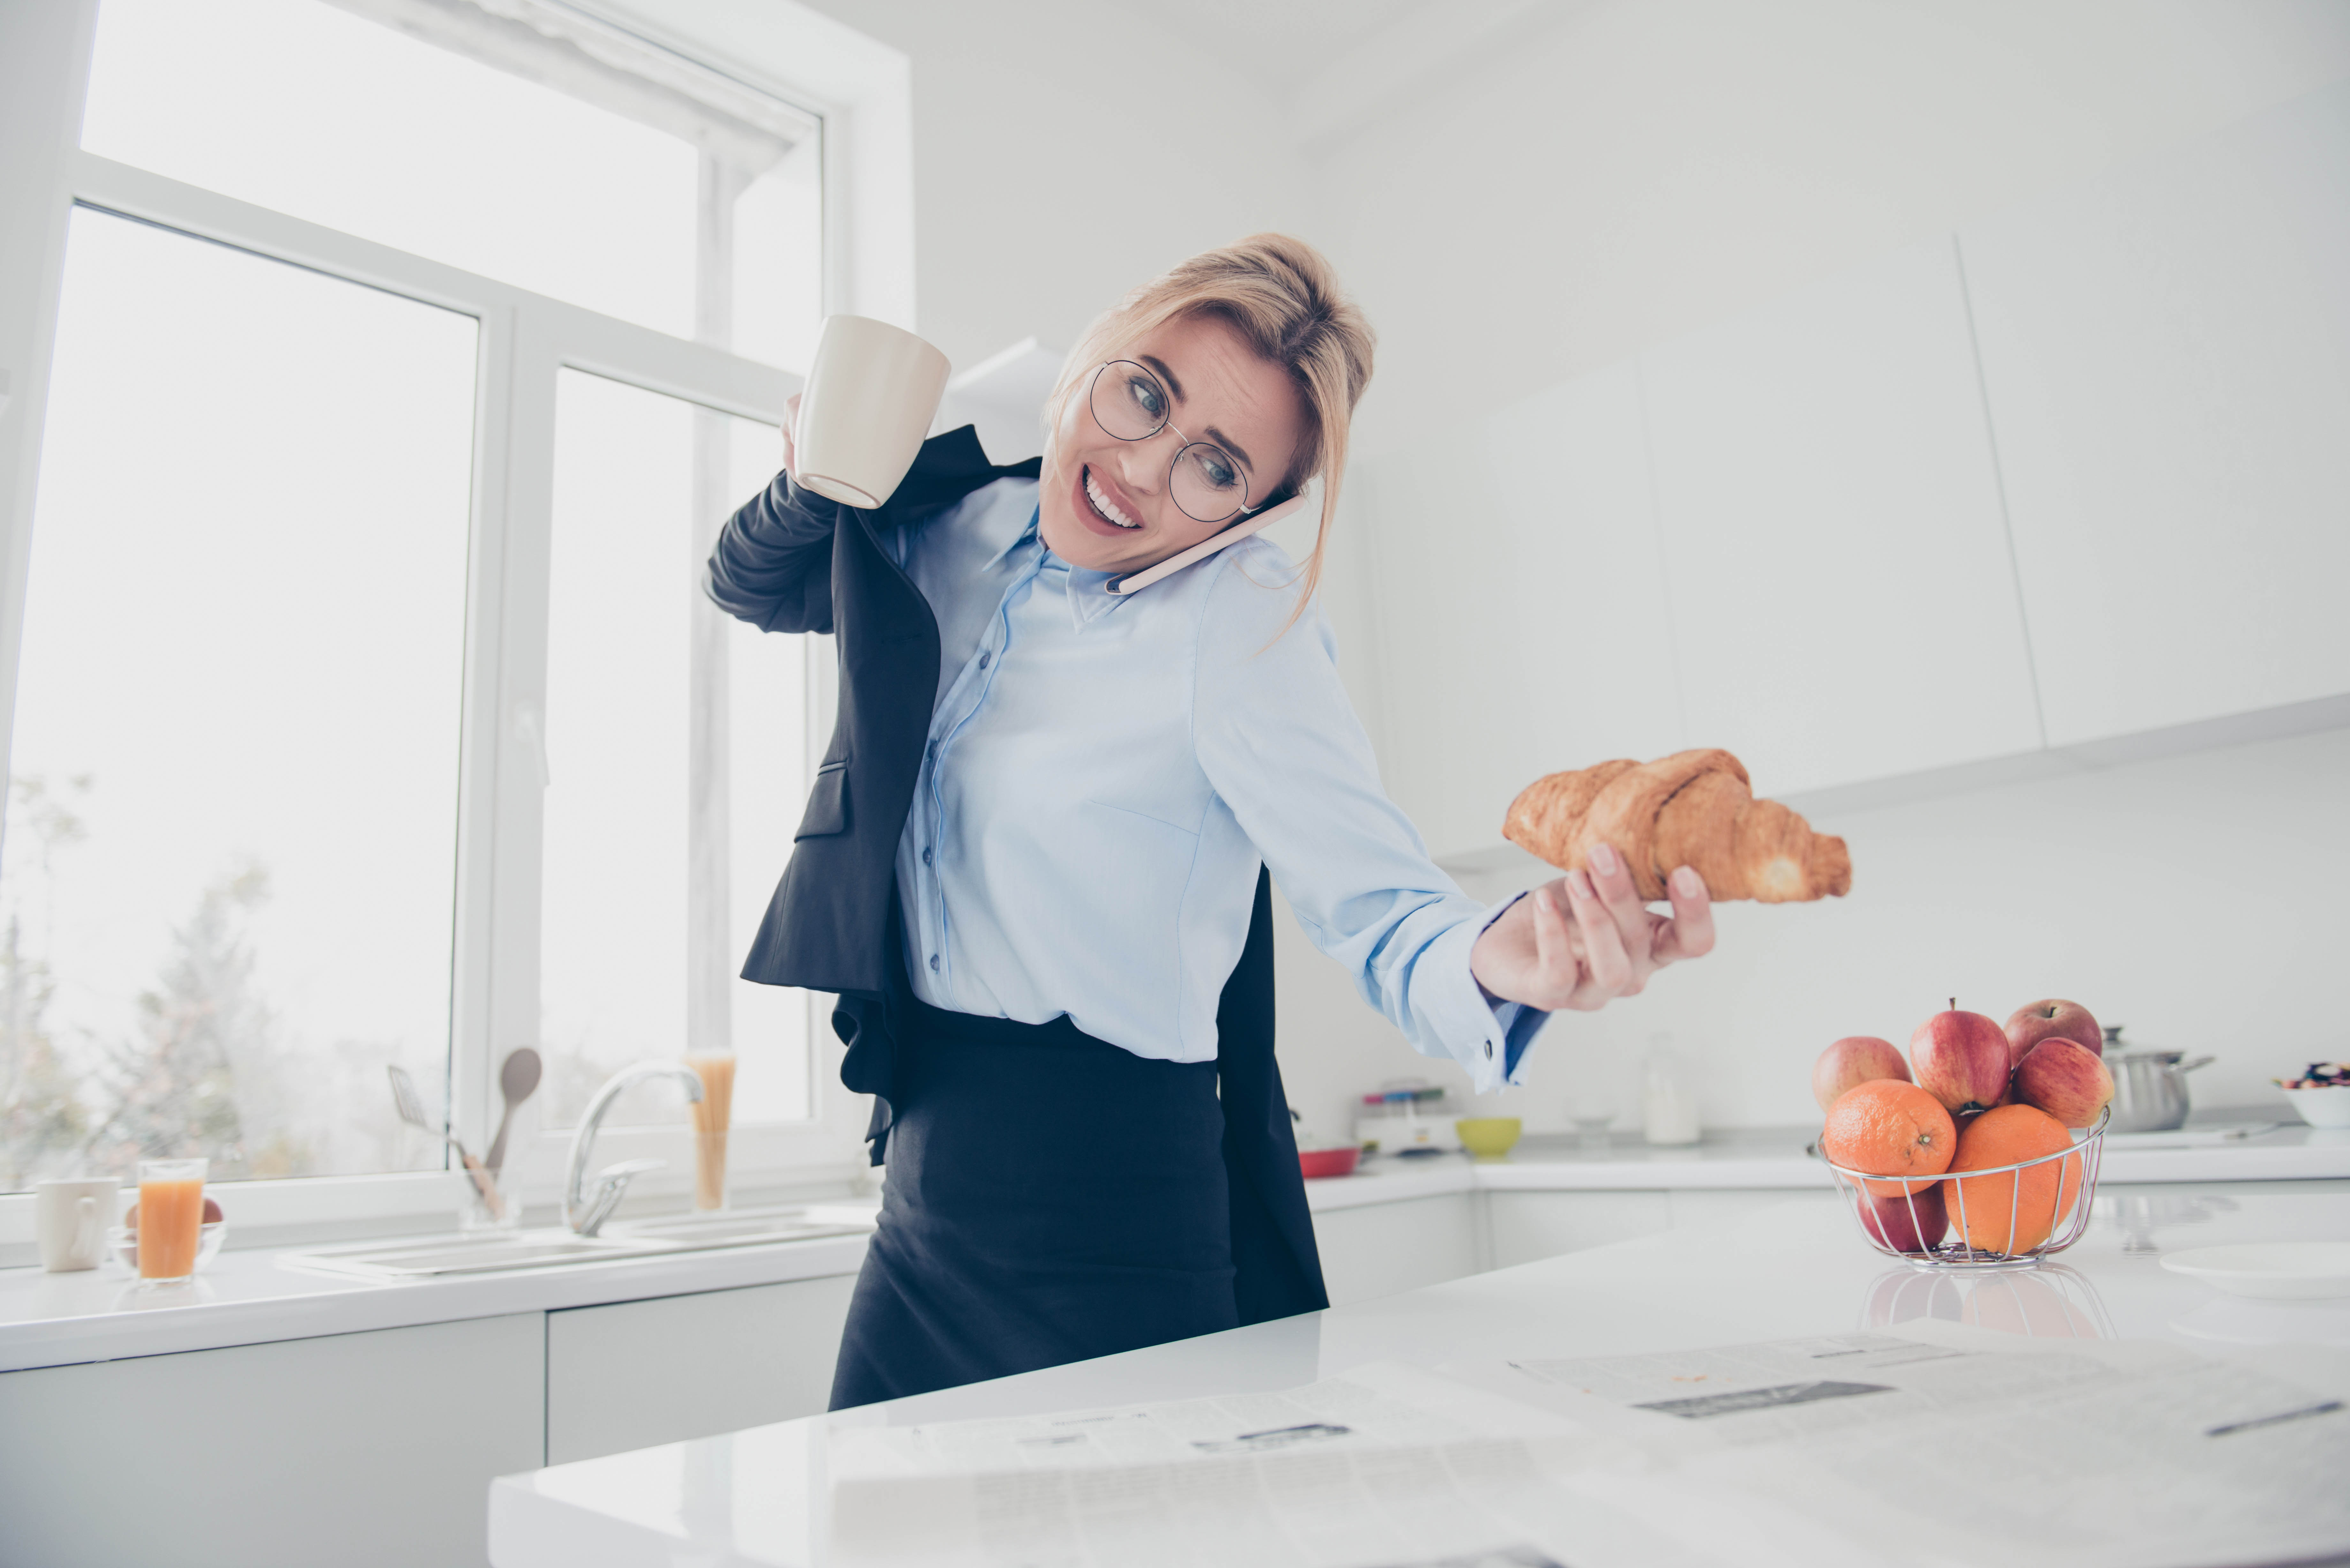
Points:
(1608, 176)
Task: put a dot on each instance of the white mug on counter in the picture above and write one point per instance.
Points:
(70, 1218)
(870, 402)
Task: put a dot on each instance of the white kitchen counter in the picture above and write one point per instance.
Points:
(1797, 1268)
(1774, 1158)
(251, 1297)
(257, 1297)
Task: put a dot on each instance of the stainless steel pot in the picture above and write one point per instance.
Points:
(2149, 1087)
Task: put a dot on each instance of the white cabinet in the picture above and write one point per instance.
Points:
(1532, 1225)
(1844, 602)
(355, 1448)
(639, 1373)
(2167, 352)
(1381, 1249)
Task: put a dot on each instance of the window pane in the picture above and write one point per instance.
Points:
(230, 841)
(572, 179)
(620, 905)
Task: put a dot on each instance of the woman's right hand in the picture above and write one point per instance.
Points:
(791, 418)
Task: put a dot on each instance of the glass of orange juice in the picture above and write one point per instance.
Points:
(710, 1114)
(170, 1218)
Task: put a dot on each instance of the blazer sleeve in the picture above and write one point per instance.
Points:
(772, 565)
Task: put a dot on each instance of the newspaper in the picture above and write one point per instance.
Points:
(1389, 1466)
(1930, 1444)
(1978, 1447)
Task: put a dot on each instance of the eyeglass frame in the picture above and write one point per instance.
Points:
(1165, 425)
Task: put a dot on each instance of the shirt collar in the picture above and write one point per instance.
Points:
(1089, 590)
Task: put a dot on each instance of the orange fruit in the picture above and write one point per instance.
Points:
(1888, 1128)
(2015, 1211)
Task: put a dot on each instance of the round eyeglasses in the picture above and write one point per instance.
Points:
(1204, 479)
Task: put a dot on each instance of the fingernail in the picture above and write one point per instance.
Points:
(1579, 884)
(1603, 859)
(1688, 881)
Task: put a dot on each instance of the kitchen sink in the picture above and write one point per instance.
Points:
(733, 1230)
(440, 1257)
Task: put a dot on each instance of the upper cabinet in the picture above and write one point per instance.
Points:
(1844, 603)
(2166, 354)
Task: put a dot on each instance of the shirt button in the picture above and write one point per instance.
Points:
(934, 753)
(984, 659)
(1489, 1045)
(934, 964)
(926, 855)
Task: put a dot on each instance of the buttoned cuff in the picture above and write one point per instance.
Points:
(1484, 1034)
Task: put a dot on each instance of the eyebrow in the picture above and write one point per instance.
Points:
(1218, 437)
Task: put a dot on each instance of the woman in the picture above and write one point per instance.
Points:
(1034, 865)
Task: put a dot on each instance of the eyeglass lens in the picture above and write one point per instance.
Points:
(1129, 404)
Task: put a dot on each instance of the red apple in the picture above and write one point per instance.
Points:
(1912, 1224)
(1962, 1060)
(2052, 1018)
(2065, 1079)
(1855, 1059)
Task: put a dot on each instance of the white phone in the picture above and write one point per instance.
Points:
(1135, 582)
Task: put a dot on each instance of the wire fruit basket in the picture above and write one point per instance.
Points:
(1998, 1204)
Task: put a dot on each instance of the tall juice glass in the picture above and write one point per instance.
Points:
(710, 1114)
(170, 1218)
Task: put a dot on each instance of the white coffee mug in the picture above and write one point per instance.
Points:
(70, 1219)
(869, 403)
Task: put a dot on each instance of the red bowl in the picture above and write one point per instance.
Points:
(1328, 1161)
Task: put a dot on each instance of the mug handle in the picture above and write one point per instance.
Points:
(86, 1226)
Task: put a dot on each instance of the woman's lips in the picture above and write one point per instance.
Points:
(1090, 512)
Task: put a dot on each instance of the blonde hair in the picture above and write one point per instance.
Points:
(1283, 296)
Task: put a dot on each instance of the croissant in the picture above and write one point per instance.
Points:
(1692, 808)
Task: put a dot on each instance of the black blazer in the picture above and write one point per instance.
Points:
(792, 561)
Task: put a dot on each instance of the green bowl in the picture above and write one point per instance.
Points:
(1489, 1137)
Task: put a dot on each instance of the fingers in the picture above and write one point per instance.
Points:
(1606, 967)
(1613, 880)
(1689, 933)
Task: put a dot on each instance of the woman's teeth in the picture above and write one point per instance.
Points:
(1103, 505)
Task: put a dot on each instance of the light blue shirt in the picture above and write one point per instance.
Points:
(1104, 775)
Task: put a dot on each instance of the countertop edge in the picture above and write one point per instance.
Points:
(359, 1307)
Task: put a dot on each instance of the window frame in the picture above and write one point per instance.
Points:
(524, 341)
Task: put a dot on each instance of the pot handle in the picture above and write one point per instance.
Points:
(2199, 1062)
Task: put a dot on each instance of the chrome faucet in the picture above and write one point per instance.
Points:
(586, 1212)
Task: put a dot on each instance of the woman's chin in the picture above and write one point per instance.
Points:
(1079, 547)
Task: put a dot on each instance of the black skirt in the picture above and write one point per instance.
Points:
(1050, 1198)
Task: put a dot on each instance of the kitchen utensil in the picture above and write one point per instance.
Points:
(2274, 1270)
(1328, 1161)
(710, 1116)
(2328, 1105)
(69, 1220)
(871, 395)
(2071, 1199)
(410, 1107)
(2149, 1087)
(1489, 1137)
(518, 1077)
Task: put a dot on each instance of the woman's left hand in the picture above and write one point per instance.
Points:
(1576, 944)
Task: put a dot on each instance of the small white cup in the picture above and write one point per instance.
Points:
(870, 402)
(70, 1219)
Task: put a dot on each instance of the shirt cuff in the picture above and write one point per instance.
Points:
(1484, 1034)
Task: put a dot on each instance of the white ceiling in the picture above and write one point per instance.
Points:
(1277, 42)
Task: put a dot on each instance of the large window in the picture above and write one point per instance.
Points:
(409, 355)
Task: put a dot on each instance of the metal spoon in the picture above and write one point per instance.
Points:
(517, 1081)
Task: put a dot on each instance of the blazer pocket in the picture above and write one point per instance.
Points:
(827, 807)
